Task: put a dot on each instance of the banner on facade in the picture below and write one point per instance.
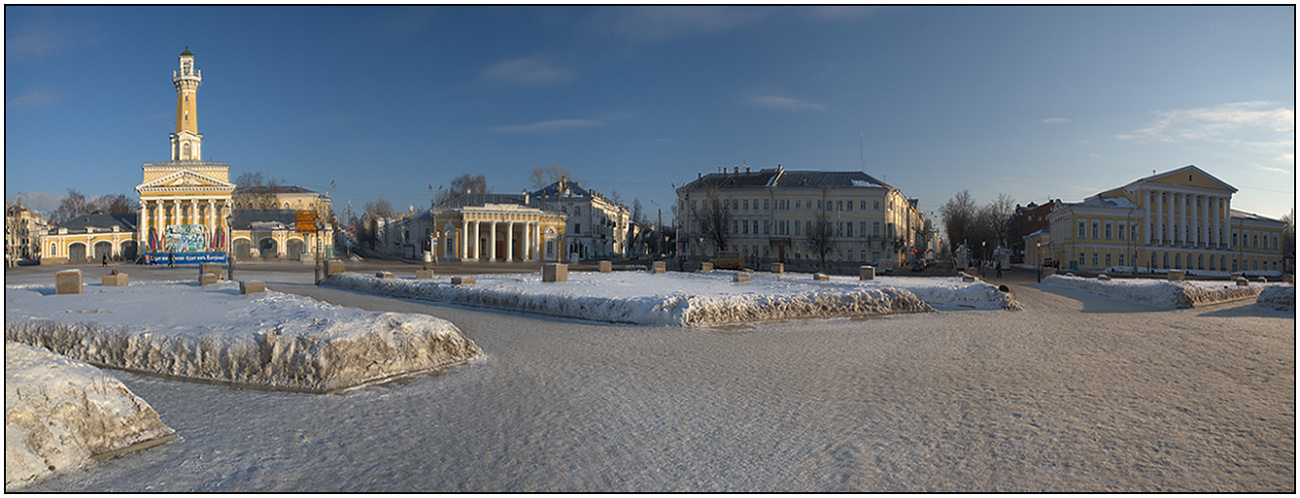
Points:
(185, 238)
(183, 258)
(306, 221)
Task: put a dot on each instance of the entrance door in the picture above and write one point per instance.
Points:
(77, 253)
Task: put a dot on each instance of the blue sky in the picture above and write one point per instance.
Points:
(1034, 102)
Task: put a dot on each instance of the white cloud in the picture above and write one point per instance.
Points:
(552, 126)
(38, 42)
(45, 202)
(527, 71)
(1055, 121)
(34, 99)
(840, 13)
(784, 103)
(1221, 123)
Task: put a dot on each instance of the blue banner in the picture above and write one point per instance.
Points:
(183, 258)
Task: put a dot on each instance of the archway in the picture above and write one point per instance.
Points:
(103, 248)
(243, 249)
(295, 248)
(267, 248)
(77, 252)
(128, 250)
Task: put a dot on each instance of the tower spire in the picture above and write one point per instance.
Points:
(186, 140)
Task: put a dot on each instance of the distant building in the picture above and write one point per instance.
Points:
(476, 227)
(771, 212)
(596, 227)
(1027, 220)
(91, 237)
(23, 229)
(264, 222)
(1180, 219)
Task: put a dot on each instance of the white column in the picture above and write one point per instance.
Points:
(537, 240)
(492, 240)
(464, 238)
(1160, 217)
(510, 240)
(478, 247)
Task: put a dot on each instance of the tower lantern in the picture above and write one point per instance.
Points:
(186, 141)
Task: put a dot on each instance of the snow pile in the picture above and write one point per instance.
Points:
(690, 299)
(1160, 293)
(269, 339)
(1278, 297)
(60, 413)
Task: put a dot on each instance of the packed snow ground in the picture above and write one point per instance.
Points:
(1076, 393)
(60, 413)
(1163, 293)
(213, 333)
(691, 298)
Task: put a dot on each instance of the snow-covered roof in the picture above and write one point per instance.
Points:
(781, 178)
(1252, 216)
(1106, 202)
(98, 221)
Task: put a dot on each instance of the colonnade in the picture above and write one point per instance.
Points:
(1186, 219)
(157, 214)
(478, 232)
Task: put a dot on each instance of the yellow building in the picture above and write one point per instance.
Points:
(185, 202)
(264, 223)
(772, 211)
(478, 227)
(1180, 219)
(23, 229)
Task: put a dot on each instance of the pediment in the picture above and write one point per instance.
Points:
(1191, 176)
(184, 180)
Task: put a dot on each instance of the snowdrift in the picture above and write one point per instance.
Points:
(212, 333)
(1161, 293)
(1278, 297)
(61, 413)
(687, 299)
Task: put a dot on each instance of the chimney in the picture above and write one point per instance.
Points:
(736, 170)
(747, 169)
(700, 175)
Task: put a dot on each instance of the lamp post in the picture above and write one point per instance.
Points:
(230, 253)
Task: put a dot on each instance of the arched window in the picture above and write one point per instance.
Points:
(185, 151)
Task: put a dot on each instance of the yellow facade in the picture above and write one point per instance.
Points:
(1180, 219)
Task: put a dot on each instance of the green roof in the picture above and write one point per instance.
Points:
(187, 51)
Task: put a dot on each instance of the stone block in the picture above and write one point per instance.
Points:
(384, 274)
(1103, 277)
(114, 280)
(658, 267)
(740, 277)
(214, 268)
(555, 272)
(967, 278)
(1288, 278)
(1177, 275)
(462, 280)
(778, 267)
(67, 282)
(606, 266)
(251, 286)
(208, 279)
(422, 274)
(1047, 270)
(866, 272)
(821, 277)
(333, 267)
(1263, 280)
(1241, 281)
(706, 266)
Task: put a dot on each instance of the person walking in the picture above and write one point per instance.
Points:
(171, 259)
(105, 263)
(999, 268)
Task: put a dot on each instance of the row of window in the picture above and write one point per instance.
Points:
(785, 204)
(1163, 261)
(798, 227)
(1202, 234)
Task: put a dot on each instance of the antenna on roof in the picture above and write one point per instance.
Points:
(861, 156)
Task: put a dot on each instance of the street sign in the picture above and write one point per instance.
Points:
(306, 221)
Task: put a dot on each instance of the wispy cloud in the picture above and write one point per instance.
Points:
(45, 39)
(1220, 123)
(552, 126)
(838, 13)
(784, 103)
(527, 71)
(408, 22)
(35, 99)
(663, 23)
(1055, 121)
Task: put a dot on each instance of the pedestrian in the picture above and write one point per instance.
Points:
(171, 259)
(999, 268)
(105, 264)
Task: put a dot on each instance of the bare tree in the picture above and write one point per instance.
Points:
(542, 176)
(714, 220)
(997, 216)
(254, 191)
(958, 217)
(1288, 233)
(72, 206)
(117, 204)
(819, 235)
(461, 185)
(369, 224)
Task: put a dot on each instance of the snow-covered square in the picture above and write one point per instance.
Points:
(691, 299)
(1163, 293)
(213, 333)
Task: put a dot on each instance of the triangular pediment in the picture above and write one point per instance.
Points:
(185, 180)
(1190, 176)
